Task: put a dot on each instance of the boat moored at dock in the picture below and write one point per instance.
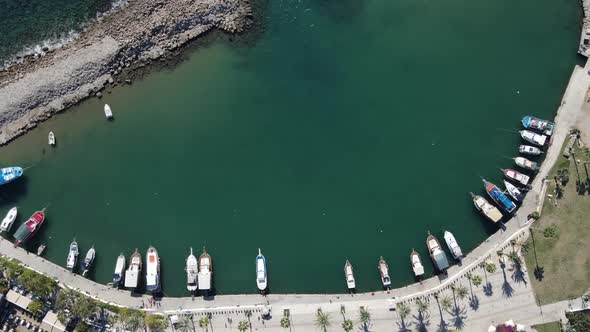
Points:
(261, 277)
(526, 164)
(40, 249)
(192, 268)
(416, 262)
(119, 271)
(486, 208)
(29, 227)
(134, 270)
(9, 174)
(533, 138)
(205, 271)
(499, 197)
(514, 191)
(8, 220)
(531, 150)
(543, 126)
(152, 270)
(516, 176)
(453, 245)
(384, 272)
(349, 275)
(88, 260)
(72, 259)
(439, 258)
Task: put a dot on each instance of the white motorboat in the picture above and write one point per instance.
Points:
(534, 138)
(384, 272)
(107, 111)
(88, 260)
(437, 255)
(134, 270)
(417, 266)
(261, 278)
(51, 138)
(514, 191)
(349, 276)
(526, 164)
(72, 256)
(488, 210)
(119, 270)
(205, 271)
(527, 149)
(8, 220)
(516, 176)
(152, 270)
(192, 268)
(453, 245)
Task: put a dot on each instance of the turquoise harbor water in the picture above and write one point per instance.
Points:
(346, 129)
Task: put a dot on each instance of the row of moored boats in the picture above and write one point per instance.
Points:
(536, 132)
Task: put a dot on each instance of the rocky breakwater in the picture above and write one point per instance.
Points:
(131, 36)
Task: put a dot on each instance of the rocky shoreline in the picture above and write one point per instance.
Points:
(132, 36)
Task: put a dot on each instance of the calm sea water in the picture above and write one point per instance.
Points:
(347, 130)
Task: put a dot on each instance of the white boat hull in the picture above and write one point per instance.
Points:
(453, 245)
(8, 220)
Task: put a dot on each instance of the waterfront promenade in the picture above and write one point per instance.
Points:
(511, 297)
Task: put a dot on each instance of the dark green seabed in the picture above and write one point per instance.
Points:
(348, 129)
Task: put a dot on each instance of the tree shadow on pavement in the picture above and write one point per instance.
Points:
(507, 289)
(488, 289)
(459, 315)
(422, 322)
(518, 275)
(474, 302)
(402, 327)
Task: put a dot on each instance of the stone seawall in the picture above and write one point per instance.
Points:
(134, 35)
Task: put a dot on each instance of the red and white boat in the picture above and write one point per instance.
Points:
(29, 227)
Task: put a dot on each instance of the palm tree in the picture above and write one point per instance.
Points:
(445, 302)
(347, 325)
(422, 306)
(403, 310)
(476, 280)
(185, 324)
(204, 322)
(322, 320)
(364, 317)
(513, 256)
(243, 326)
(285, 322)
(461, 292)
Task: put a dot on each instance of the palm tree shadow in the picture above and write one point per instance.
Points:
(507, 289)
(474, 302)
(365, 327)
(422, 322)
(488, 289)
(459, 315)
(518, 275)
(402, 327)
(442, 326)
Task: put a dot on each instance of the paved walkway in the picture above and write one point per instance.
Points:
(518, 304)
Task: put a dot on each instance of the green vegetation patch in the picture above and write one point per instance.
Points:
(557, 252)
(548, 327)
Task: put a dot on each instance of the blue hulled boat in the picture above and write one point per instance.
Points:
(9, 174)
(544, 126)
(499, 197)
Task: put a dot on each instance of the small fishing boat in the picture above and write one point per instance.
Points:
(384, 272)
(531, 150)
(499, 197)
(192, 268)
(526, 164)
(261, 271)
(107, 111)
(88, 260)
(205, 271)
(453, 245)
(119, 269)
(29, 227)
(72, 256)
(417, 266)
(488, 210)
(437, 255)
(51, 138)
(516, 176)
(349, 276)
(134, 270)
(40, 250)
(533, 138)
(9, 174)
(514, 191)
(152, 270)
(8, 220)
(544, 126)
